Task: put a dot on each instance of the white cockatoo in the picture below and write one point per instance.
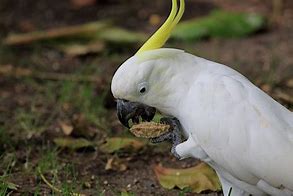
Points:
(229, 123)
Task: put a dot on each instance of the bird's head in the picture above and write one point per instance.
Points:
(140, 84)
(145, 82)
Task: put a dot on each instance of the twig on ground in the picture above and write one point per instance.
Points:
(89, 29)
(11, 71)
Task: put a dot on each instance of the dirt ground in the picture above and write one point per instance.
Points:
(32, 109)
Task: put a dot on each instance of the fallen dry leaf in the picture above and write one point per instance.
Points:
(119, 143)
(66, 128)
(289, 83)
(10, 70)
(199, 178)
(283, 96)
(266, 88)
(83, 49)
(116, 164)
(83, 128)
(73, 143)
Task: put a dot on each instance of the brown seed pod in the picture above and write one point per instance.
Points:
(149, 129)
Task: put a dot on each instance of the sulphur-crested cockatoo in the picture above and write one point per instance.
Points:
(232, 125)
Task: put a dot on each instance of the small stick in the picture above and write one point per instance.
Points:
(89, 29)
(9, 70)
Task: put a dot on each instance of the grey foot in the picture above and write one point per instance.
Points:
(174, 135)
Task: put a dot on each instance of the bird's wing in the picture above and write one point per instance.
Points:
(258, 131)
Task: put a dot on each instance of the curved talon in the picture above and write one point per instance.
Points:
(172, 121)
(174, 134)
(161, 138)
(173, 151)
(156, 140)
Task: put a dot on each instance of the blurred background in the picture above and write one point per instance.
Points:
(59, 133)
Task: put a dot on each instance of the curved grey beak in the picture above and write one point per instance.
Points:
(127, 110)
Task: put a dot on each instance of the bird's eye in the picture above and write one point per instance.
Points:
(142, 88)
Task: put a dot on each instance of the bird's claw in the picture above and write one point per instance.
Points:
(174, 153)
(174, 134)
(164, 137)
(172, 121)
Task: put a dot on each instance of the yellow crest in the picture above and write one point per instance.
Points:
(159, 38)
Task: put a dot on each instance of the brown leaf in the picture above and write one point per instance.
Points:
(82, 49)
(10, 70)
(266, 87)
(199, 178)
(283, 96)
(66, 128)
(289, 83)
(119, 143)
(82, 127)
(116, 164)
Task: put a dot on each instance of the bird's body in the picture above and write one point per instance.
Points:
(240, 130)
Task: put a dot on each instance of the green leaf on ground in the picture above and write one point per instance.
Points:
(119, 35)
(219, 24)
(73, 143)
(199, 178)
(119, 143)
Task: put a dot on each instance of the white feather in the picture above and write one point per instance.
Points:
(245, 135)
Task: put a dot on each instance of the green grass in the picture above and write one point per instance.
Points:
(7, 163)
(49, 162)
(185, 191)
(43, 108)
(70, 182)
(5, 140)
(60, 175)
(81, 96)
